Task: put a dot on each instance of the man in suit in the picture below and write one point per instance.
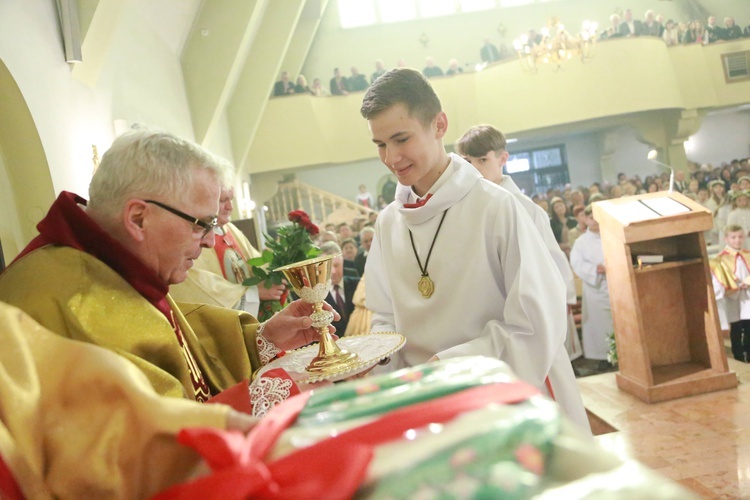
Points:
(341, 296)
(489, 52)
(630, 27)
(365, 235)
(283, 86)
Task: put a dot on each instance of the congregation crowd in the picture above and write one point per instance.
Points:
(621, 24)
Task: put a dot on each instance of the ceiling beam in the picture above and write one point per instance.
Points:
(261, 69)
(214, 57)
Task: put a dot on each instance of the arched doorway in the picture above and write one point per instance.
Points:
(26, 190)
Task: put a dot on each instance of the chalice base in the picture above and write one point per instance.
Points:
(334, 362)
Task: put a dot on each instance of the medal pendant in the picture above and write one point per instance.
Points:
(426, 286)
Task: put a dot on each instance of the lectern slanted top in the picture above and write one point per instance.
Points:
(669, 342)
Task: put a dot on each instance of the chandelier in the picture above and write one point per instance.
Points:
(554, 45)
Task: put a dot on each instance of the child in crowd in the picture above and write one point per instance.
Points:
(587, 259)
(740, 213)
(457, 265)
(364, 198)
(731, 275)
(484, 147)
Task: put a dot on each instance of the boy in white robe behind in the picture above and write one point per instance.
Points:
(587, 259)
(484, 147)
(457, 265)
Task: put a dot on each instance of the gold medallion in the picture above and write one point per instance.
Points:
(426, 286)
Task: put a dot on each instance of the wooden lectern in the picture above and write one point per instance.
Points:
(667, 330)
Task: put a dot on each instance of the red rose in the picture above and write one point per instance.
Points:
(297, 215)
(312, 229)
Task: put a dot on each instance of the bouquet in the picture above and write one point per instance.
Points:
(294, 244)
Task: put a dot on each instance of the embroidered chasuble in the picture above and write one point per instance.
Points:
(80, 283)
(216, 276)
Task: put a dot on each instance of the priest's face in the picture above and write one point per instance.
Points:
(225, 205)
(413, 152)
(171, 243)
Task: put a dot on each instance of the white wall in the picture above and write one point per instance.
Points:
(140, 81)
(69, 116)
(723, 136)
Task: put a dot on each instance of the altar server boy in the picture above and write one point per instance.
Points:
(457, 265)
(731, 274)
(587, 259)
(484, 147)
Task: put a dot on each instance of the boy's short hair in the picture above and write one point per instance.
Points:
(402, 86)
(733, 228)
(480, 140)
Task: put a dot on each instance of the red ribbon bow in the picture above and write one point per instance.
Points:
(239, 469)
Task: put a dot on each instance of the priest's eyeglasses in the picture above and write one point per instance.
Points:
(206, 226)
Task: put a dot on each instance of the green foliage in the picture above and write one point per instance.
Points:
(294, 244)
(612, 354)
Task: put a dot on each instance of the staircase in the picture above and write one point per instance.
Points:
(322, 206)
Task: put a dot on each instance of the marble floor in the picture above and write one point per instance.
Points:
(702, 442)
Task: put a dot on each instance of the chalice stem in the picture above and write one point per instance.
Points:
(327, 345)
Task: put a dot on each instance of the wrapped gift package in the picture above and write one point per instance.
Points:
(460, 428)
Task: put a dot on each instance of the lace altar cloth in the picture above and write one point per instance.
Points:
(371, 349)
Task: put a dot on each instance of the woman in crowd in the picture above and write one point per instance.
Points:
(740, 213)
(301, 86)
(561, 222)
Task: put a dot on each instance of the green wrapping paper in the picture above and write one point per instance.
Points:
(513, 451)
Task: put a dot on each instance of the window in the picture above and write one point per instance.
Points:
(392, 11)
(435, 8)
(357, 13)
(537, 170)
(518, 163)
(353, 13)
(475, 5)
(736, 66)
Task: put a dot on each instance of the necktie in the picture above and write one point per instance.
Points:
(340, 302)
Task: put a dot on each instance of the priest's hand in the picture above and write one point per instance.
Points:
(292, 327)
(273, 293)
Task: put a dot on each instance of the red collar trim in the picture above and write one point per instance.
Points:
(67, 224)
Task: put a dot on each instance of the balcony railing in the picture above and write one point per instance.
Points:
(322, 206)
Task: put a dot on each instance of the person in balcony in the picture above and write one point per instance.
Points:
(489, 52)
(317, 88)
(283, 86)
(338, 83)
(731, 31)
(613, 31)
(630, 26)
(650, 26)
(301, 86)
(454, 68)
(357, 82)
(379, 70)
(431, 70)
(671, 35)
(714, 33)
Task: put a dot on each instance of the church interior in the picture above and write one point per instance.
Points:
(75, 74)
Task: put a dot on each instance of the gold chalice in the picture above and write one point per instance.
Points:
(311, 281)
